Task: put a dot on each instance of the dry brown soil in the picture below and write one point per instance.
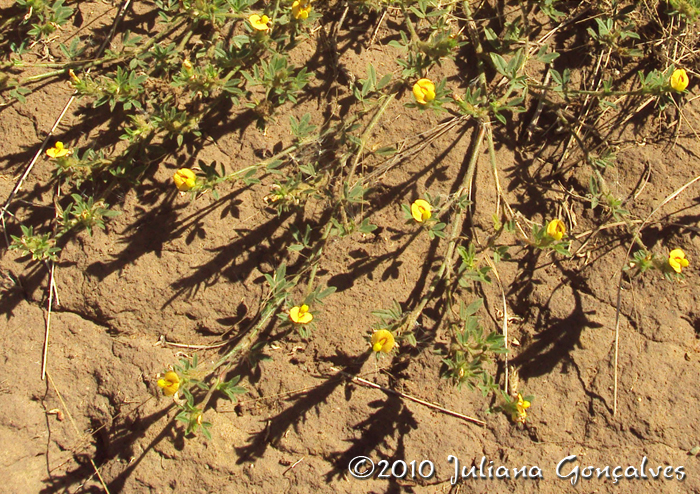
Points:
(192, 271)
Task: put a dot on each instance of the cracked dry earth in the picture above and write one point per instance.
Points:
(121, 290)
(192, 272)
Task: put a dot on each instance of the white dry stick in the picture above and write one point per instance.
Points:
(163, 341)
(376, 30)
(48, 324)
(52, 286)
(52, 283)
(447, 411)
(39, 152)
(292, 466)
(505, 317)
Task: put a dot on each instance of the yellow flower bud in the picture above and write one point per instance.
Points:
(556, 229)
(679, 80)
(184, 179)
(424, 91)
(382, 341)
(73, 77)
(421, 210)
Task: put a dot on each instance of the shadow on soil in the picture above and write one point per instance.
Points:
(122, 439)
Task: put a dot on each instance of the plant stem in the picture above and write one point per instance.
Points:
(270, 305)
(87, 64)
(365, 135)
(454, 235)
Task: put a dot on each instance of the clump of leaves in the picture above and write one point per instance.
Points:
(40, 247)
(86, 213)
(689, 9)
(470, 350)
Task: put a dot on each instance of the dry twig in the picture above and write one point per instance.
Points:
(447, 411)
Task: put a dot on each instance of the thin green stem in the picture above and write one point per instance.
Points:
(88, 64)
(414, 36)
(289, 149)
(22, 63)
(270, 306)
(601, 92)
(454, 235)
(471, 27)
(367, 132)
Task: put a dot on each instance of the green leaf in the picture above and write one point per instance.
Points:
(383, 81)
(417, 12)
(386, 151)
(411, 339)
(545, 57)
(472, 308)
(366, 227)
(205, 431)
(490, 34)
(499, 63)
(325, 293)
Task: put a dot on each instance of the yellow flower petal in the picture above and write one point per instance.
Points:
(170, 383)
(421, 210)
(556, 229)
(424, 91)
(382, 341)
(58, 151)
(677, 260)
(522, 403)
(259, 23)
(679, 80)
(519, 414)
(300, 314)
(73, 77)
(301, 9)
(184, 179)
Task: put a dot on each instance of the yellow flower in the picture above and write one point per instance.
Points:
(73, 76)
(556, 229)
(679, 80)
(170, 383)
(259, 23)
(58, 151)
(382, 341)
(519, 414)
(677, 260)
(300, 314)
(184, 179)
(421, 210)
(424, 91)
(301, 9)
